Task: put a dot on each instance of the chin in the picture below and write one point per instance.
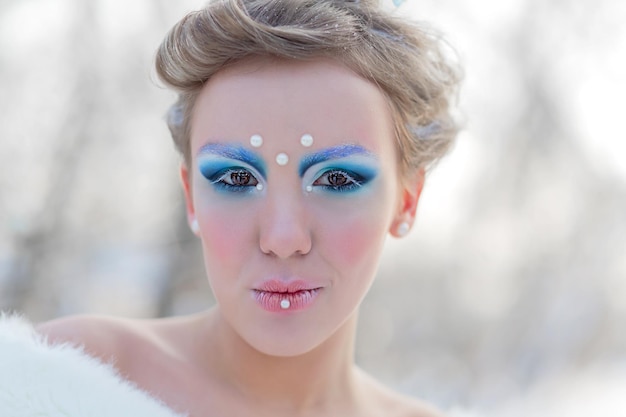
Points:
(297, 339)
(286, 345)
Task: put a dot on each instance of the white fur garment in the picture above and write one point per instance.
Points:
(42, 380)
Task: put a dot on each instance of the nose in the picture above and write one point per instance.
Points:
(284, 229)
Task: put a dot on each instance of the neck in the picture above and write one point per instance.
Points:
(321, 378)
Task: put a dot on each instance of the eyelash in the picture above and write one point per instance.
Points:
(220, 180)
(353, 181)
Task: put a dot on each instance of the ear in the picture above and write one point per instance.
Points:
(407, 204)
(186, 183)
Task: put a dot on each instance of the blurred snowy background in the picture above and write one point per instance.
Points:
(508, 297)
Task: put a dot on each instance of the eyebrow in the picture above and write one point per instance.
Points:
(236, 152)
(335, 152)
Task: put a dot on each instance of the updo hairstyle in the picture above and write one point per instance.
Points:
(408, 61)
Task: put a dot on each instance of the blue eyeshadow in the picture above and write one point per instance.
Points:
(231, 151)
(336, 152)
(365, 173)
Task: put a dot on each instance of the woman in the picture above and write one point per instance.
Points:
(305, 129)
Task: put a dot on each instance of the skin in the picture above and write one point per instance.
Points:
(237, 358)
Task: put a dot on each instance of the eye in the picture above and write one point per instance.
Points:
(234, 179)
(240, 178)
(339, 180)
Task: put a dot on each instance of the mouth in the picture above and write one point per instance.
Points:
(278, 296)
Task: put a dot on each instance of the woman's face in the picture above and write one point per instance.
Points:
(292, 228)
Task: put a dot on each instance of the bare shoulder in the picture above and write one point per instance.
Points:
(392, 403)
(411, 407)
(120, 341)
(406, 406)
(100, 336)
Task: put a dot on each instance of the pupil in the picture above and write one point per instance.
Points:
(240, 178)
(337, 179)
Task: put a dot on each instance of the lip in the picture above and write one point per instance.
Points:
(299, 293)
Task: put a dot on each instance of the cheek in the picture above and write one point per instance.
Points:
(225, 232)
(356, 241)
(218, 238)
(357, 236)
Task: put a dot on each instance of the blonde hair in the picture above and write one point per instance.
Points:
(406, 60)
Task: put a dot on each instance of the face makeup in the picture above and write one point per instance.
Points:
(256, 141)
(282, 159)
(231, 168)
(276, 296)
(306, 140)
(338, 169)
(334, 152)
(322, 218)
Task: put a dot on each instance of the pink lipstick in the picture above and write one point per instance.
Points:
(279, 296)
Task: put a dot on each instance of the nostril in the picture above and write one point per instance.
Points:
(284, 226)
(285, 241)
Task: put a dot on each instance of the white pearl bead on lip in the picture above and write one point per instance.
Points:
(285, 304)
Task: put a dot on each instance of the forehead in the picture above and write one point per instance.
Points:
(285, 99)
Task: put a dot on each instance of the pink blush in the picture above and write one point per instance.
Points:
(224, 237)
(354, 243)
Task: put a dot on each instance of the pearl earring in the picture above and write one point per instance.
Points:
(403, 229)
(195, 227)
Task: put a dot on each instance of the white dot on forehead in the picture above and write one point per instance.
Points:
(282, 158)
(256, 140)
(306, 140)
